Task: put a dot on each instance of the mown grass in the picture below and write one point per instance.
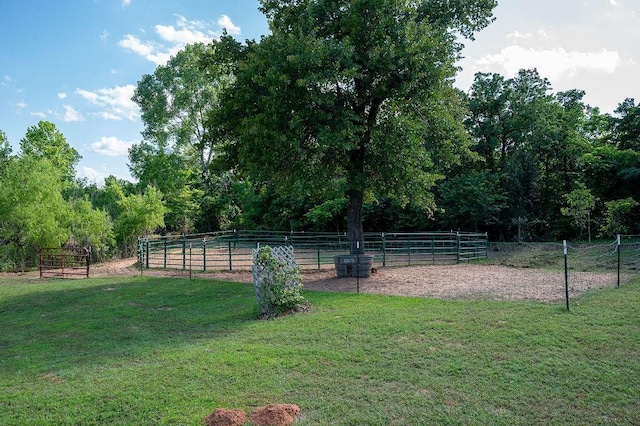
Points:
(147, 351)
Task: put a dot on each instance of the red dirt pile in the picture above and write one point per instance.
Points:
(271, 415)
(275, 415)
(225, 417)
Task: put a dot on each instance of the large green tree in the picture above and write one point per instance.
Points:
(44, 140)
(32, 210)
(352, 95)
(178, 149)
(531, 141)
(627, 125)
(175, 100)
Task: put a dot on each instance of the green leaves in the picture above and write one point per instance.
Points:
(176, 100)
(138, 216)
(277, 280)
(32, 209)
(349, 91)
(45, 141)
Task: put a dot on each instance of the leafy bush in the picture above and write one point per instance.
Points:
(277, 281)
(619, 216)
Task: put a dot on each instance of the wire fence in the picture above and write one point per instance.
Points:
(563, 271)
(442, 265)
(232, 251)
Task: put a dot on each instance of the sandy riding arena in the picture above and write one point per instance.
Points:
(463, 281)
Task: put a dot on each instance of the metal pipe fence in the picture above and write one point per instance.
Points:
(231, 250)
(64, 262)
(449, 264)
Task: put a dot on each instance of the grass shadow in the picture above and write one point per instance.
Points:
(70, 322)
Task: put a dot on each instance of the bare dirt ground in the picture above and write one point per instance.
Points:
(480, 282)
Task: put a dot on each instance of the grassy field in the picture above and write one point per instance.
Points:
(149, 351)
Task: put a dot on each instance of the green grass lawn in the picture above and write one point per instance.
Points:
(147, 351)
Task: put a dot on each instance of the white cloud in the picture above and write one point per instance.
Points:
(551, 63)
(21, 105)
(39, 114)
(613, 2)
(225, 22)
(92, 175)
(115, 102)
(104, 35)
(538, 35)
(126, 3)
(62, 95)
(187, 34)
(9, 83)
(71, 115)
(162, 58)
(108, 116)
(519, 35)
(111, 147)
(98, 176)
(173, 38)
(134, 44)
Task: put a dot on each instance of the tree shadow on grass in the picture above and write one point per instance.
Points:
(58, 324)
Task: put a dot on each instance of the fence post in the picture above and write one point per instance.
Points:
(165, 252)
(190, 259)
(457, 247)
(204, 255)
(618, 248)
(566, 273)
(230, 264)
(384, 250)
(358, 267)
(318, 251)
(146, 251)
(88, 253)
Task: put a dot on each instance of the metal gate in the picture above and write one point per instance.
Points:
(64, 262)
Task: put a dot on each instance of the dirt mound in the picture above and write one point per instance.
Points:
(225, 417)
(271, 415)
(275, 415)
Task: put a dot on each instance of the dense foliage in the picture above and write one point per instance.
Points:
(346, 99)
(43, 205)
(279, 284)
(343, 119)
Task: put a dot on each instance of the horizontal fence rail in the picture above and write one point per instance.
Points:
(232, 250)
(543, 271)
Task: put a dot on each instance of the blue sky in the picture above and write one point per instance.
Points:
(76, 62)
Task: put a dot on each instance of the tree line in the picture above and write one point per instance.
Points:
(343, 119)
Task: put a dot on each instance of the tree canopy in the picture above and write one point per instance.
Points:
(44, 140)
(349, 94)
(344, 117)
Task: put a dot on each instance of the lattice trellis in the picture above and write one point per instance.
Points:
(284, 269)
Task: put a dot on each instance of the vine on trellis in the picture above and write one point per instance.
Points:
(277, 280)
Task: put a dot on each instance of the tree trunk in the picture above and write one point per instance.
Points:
(354, 222)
